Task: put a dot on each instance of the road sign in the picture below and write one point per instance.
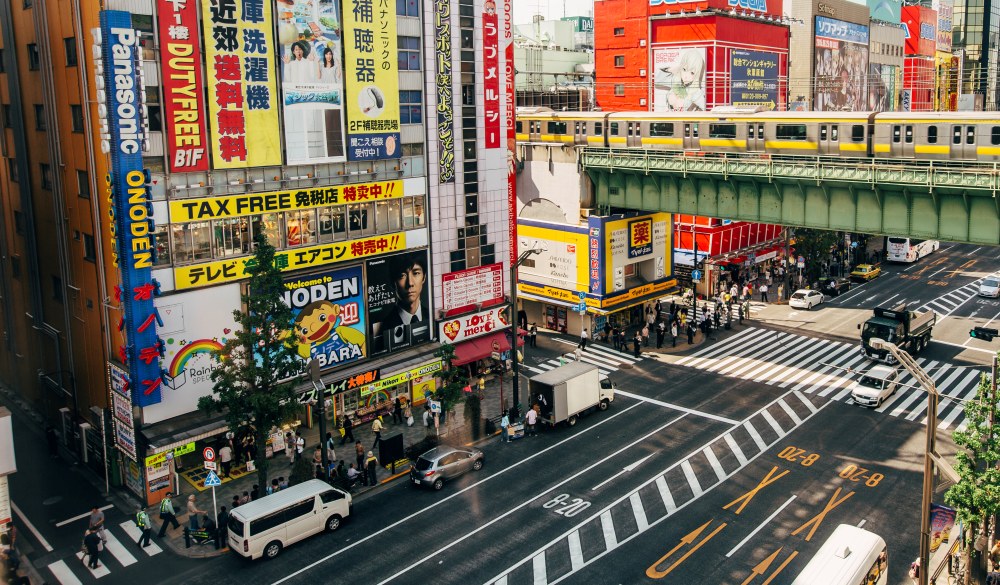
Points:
(582, 295)
(209, 454)
(582, 308)
(211, 465)
(495, 355)
(696, 275)
(212, 480)
(496, 345)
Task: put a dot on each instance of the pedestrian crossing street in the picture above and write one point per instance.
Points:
(947, 304)
(115, 556)
(607, 359)
(818, 366)
(664, 494)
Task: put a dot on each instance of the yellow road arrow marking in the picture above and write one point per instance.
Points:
(761, 567)
(652, 573)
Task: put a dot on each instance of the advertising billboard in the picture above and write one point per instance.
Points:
(329, 315)
(131, 206)
(398, 305)
(881, 87)
(475, 325)
(945, 15)
(445, 97)
(509, 120)
(562, 261)
(473, 286)
(372, 81)
(679, 79)
(312, 80)
(885, 10)
(491, 75)
(121, 408)
(921, 30)
(634, 241)
(242, 104)
(753, 78)
(841, 73)
(182, 87)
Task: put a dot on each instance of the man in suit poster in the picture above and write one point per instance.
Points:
(398, 306)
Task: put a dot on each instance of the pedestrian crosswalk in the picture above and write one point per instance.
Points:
(826, 368)
(606, 359)
(118, 553)
(663, 495)
(947, 304)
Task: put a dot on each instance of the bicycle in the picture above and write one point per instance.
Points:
(956, 567)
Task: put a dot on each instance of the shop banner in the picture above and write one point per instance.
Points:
(679, 79)
(329, 316)
(640, 237)
(187, 210)
(182, 86)
(945, 15)
(595, 266)
(942, 521)
(400, 378)
(222, 271)
(312, 80)
(469, 326)
(753, 78)
(445, 97)
(509, 94)
(491, 75)
(121, 407)
(841, 75)
(473, 286)
(239, 59)
(372, 81)
(398, 306)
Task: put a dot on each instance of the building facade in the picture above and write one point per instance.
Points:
(339, 130)
(975, 27)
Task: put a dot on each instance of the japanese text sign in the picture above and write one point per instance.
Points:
(329, 310)
(473, 286)
(470, 326)
(445, 98)
(640, 237)
(182, 86)
(491, 75)
(754, 78)
(121, 404)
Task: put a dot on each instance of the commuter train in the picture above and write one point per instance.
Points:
(961, 136)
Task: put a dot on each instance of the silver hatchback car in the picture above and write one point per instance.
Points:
(443, 462)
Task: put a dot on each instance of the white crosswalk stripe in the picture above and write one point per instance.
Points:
(808, 365)
(607, 359)
(119, 552)
(948, 303)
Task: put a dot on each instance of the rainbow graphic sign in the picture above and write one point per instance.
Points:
(179, 372)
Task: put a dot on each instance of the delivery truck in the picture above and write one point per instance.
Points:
(566, 392)
(909, 330)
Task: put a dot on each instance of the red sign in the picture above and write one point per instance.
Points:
(473, 286)
(921, 28)
(183, 99)
(469, 326)
(491, 74)
(508, 69)
(208, 453)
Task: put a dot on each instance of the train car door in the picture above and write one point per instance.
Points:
(534, 131)
(580, 132)
(634, 131)
(829, 139)
(691, 140)
(755, 137)
(901, 140)
(963, 142)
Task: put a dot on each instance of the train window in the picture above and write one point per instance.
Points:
(598, 127)
(895, 134)
(722, 130)
(661, 129)
(517, 127)
(970, 134)
(835, 133)
(750, 131)
(613, 126)
(822, 133)
(790, 132)
(932, 135)
(557, 127)
(909, 134)
(857, 133)
(694, 130)
(995, 135)
(956, 135)
(583, 128)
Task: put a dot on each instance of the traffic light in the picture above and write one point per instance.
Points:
(983, 333)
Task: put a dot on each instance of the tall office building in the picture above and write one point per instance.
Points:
(975, 36)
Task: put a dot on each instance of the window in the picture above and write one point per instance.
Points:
(556, 128)
(619, 31)
(613, 128)
(232, 237)
(57, 289)
(722, 130)
(76, 113)
(161, 245)
(414, 149)
(262, 525)
(790, 132)
(27, 3)
(69, 43)
(970, 134)
(835, 133)
(89, 250)
(517, 127)
(268, 224)
(410, 107)
(407, 8)
(300, 227)
(18, 222)
(619, 89)
(599, 128)
(858, 133)
(331, 496)
(40, 117)
(661, 129)
(619, 60)
(359, 221)
(995, 135)
(300, 509)
(6, 114)
(33, 57)
(83, 184)
(409, 54)
(46, 176)
(193, 241)
(413, 212)
(332, 224)
(12, 169)
(932, 135)
(387, 216)
(956, 135)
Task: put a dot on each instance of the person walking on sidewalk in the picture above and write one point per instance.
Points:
(673, 333)
(636, 344)
(763, 293)
(346, 430)
(300, 445)
(193, 512)
(290, 447)
(377, 430)
(97, 523)
(583, 339)
(167, 514)
(92, 541)
(359, 455)
(226, 459)
(530, 418)
(142, 521)
(504, 423)
(661, 331)
(534, 335)
(397, 411)
(645, 336)
(371, 465)
(331, 455)
(408, 413)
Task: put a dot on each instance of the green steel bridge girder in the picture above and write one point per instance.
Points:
(939, 200)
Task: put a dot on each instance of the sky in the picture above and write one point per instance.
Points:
(550, 9)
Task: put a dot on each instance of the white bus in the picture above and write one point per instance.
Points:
(909, 250)
(851, 556)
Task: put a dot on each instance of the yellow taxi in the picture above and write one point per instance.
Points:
(866, 272)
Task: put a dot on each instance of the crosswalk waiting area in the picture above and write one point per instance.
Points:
(827, 368)
(607, 359)
(118, 553)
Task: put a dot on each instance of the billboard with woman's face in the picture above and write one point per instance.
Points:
(679, 79)
(841, 69)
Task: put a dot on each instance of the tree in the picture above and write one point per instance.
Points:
(453, 378)
(253, 385)
(814, 246)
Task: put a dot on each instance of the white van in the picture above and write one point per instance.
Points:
(850, 556)
(263, 527)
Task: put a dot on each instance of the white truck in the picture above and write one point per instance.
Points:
(564, 393)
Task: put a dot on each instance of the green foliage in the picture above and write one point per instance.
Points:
(253, 385)
(814, 246)
(302, 471)
(977, 495)
(453, 378)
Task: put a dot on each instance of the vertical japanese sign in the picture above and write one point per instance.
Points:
(491, 75)
(121, 405)
(754, 78)
(183, 97)
(945, 15)
(595, 266)
(372, 80)
(508, 99)
(445, 114)
(243, 111)
(312, 80)
(131, 207)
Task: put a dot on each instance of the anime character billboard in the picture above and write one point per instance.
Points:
(679, 79)
(329, 316)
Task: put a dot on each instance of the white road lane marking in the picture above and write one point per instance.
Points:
(691, 478)
(755, 436)
(665, 495)
(608, 528)
(740, 544)
(538, 569)
(734, 446)
(134, 533)
(638, 512)
(676, 407)
(31, 527)
(63, 574)
(117, 550)
(575, 552)
(81, 516)
(714, 462)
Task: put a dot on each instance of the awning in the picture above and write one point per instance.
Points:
(481, 347)
(181, 430)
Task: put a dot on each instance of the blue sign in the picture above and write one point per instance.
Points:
(754, 78)
(581, 308)
(212, 480)
(696, 275)
(842, 31)
(132, 207)
(595, 255)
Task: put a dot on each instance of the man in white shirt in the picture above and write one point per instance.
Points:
(530, 419)
(226, 459)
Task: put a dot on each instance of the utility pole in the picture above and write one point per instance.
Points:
(316, 380)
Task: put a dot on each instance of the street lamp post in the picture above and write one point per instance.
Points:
(931, 457)
(513, 309)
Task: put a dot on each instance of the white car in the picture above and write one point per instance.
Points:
(805, 299)
(990, 287)
(874, 387)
